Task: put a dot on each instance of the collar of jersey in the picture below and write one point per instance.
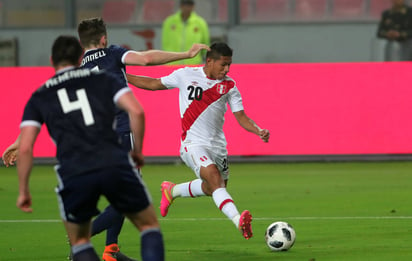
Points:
(89, 50)
(64, 69)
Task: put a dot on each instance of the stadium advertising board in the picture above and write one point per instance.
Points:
(310, 109)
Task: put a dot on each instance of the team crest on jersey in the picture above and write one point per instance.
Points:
(221, 88)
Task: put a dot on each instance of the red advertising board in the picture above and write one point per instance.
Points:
(310, 109)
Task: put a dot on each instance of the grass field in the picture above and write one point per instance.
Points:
(340, 211)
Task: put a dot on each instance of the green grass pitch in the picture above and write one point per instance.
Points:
(340, 211)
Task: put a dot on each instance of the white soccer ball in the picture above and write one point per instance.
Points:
(280, 236)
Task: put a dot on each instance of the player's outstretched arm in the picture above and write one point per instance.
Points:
(9, 156)
(157, 57)
(249, 125)
(146, 83)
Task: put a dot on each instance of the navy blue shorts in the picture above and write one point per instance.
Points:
(121, 185)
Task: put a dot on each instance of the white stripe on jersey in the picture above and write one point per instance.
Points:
(30, 123)
(120, 93)
(126, 53)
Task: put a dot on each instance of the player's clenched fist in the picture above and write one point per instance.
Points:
(264, 135)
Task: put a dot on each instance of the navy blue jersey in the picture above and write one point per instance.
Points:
(78, 108)
(110, 60)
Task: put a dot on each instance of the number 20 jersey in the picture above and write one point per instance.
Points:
(78, 108)
(203, 104)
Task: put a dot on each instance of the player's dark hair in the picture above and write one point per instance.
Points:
(91, 30)
(219, 49)
(66, 50)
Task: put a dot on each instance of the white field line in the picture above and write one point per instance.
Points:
(221, 219)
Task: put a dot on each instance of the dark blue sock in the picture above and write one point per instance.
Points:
(110, 220)
(152, 248)
(84, 252)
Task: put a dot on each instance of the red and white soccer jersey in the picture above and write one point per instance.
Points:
(203, 105)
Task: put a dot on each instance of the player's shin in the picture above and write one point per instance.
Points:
(225, 203)
(189, 189)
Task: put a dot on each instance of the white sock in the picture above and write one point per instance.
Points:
(225, 203)
(188, 189)
(236, 220)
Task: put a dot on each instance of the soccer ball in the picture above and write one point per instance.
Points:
(280, 236)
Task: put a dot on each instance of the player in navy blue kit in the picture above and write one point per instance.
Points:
(99, 56)
(113, 59)
(78, 107)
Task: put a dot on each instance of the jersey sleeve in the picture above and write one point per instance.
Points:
(118, 52)
(235, 100)
(31, 115)
(172, 80)
(119, 94)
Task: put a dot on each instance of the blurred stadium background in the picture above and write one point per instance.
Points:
(261, 31)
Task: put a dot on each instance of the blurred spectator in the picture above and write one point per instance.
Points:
(396, 27)
(184, 28)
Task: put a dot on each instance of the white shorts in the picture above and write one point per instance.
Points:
(196, 156)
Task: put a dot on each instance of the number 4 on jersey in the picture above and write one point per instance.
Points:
(82, 103)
